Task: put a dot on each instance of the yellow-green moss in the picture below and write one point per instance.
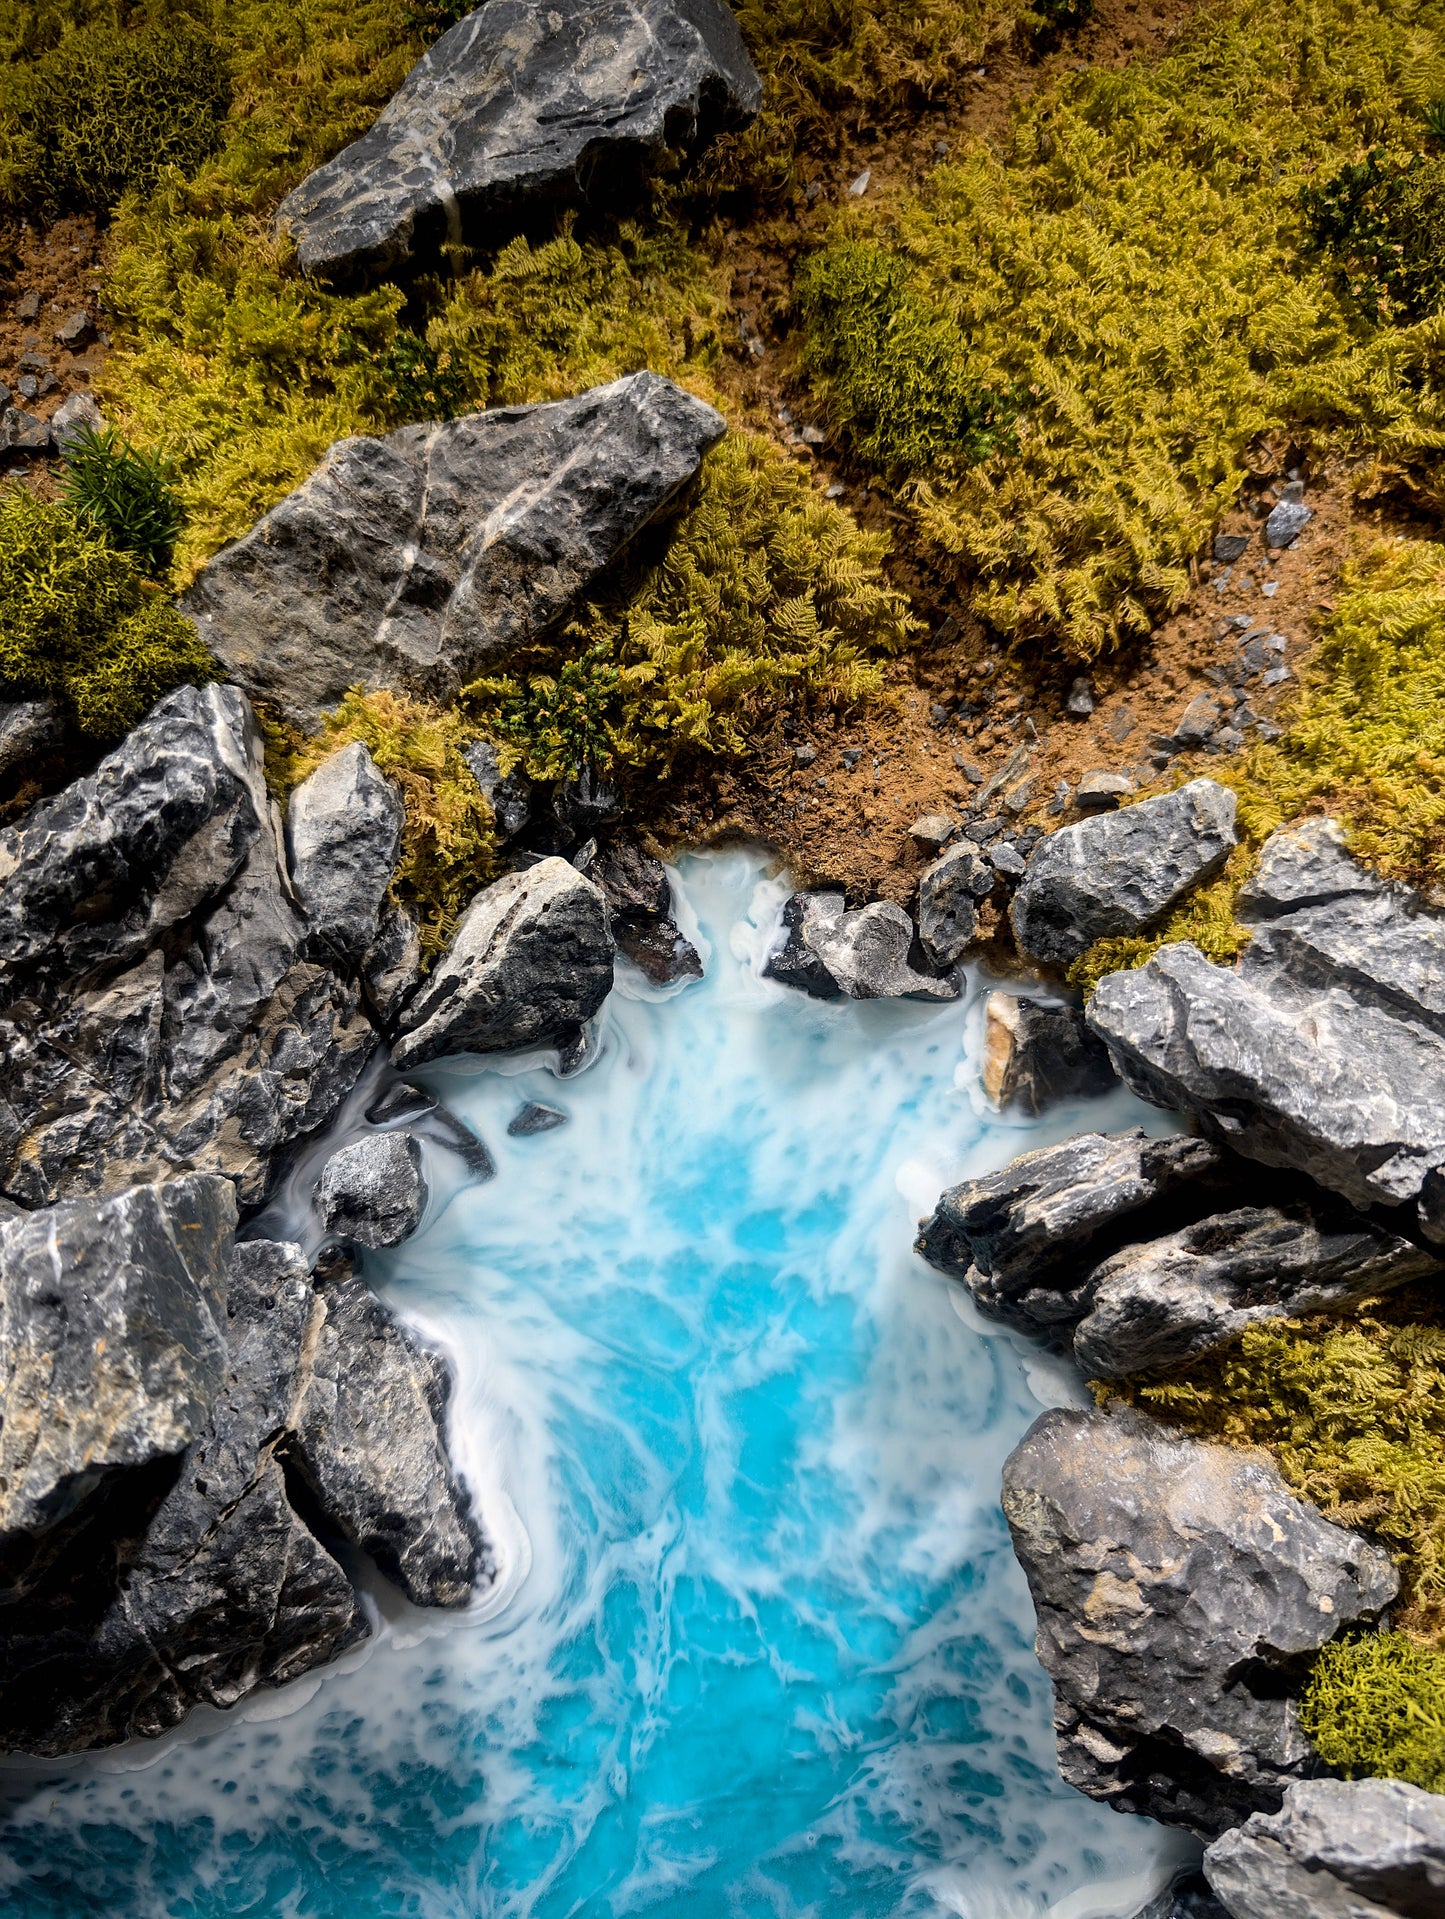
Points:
(1354, 1412)
(1376, 1705)
(448, 846)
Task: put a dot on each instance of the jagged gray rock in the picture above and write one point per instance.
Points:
(111, 1348)
(1181, 1590)
(530, 963)
(523, 105)
(949, 895)
(1337, 1849)
(343, 834)
(1025, 1239)
(371, 1442)
(410, 560)
(28, 729)
(793, 961)
(512, 796)
(639, 898)
(1324, 1049)
(534, 1118)
(1163, 1303)
(391, 965)
(374, 1192)
(866, 953)
(1037, 1054)
(1117, 873)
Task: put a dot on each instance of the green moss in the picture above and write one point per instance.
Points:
(448, 847)
(104, 113)
(1381, 217)
(766, 598)
(1354, 1413)
(77, 622)
(1376, 1706)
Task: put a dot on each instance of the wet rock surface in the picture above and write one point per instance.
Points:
(374, 1192)
(522, 106)
(639, 899)
(794, 962)
(1117, 873)
(1181, 1590)
(411, 559)
(1361, 1849)
(866, 954)
(1038, 1054)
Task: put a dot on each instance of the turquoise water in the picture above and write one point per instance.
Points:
(760, 1648)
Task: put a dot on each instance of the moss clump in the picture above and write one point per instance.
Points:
(448, 846)
(1354, 1413)
(1381, 217)
(105, 112)
(766, 597)
(1376, 1706)
(77, 622)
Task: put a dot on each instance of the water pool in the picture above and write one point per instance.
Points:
(760, 1647)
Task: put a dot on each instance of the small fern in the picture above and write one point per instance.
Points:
(129, 495)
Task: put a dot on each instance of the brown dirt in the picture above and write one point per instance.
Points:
(57, 272)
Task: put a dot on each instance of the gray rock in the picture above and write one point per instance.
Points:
(1164, 1303)
(1119, 873)
(373, 1192)
(932, 832)
(866, 953)
(535, 1118)
(530, 963)
(520, 107)
(21, 432)
(1025, 1239)
(111, 1348)
(1036, 1055)
(1101, 791)
(75, 330)
(949, 895)
(511, 796)
(371, 1444)
(1197, 722)
(1229, 547)
(1187, 1898)
(1080, 701)
(1286, 522)
(1006, 859)
(391, 965)
(581, 806)
(343, 834)
(1337, 1849)
(411, 559)
(1181, 1590)
(793, 961)
(75, 415)
(639, 899)
(28, 729)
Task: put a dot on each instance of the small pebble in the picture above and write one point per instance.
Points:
(1285, 524)
(850, 756)
(1270, 588)
(1277, 675)
(27, 307)
(860, 185)
(1060, 802)
(535, 1118)
(938, 713)
(1100, 791)
(932, 832)
(970, 770)
(1006, 858)
(1229, 546)
(805, 755)
(1080, 702)
(834, 492)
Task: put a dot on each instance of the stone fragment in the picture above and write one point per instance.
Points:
(75, 330)
(1163, 1303)
(639, 899)
(1187, 1898)
(1286, 522)
(111, 1348)
(1337, 1849)
(27, 307)
(932, 832)
(73, 417)
(1229, 547)
(530, 963)
(534, 1118)
(1026, 1238)
(512, 797)
(520, 108)
(1080, 701)
(1118, 873)
(22, 432)
(949, 895)
(1007, 860)
(28, 730)
(1196, 723)
(1035, 1055)
(410, 559)
(866, 953)
(1101, 791)
(373, 1192)
(391, 965)
(793, 961)
(1180, 1590)
(343, 834)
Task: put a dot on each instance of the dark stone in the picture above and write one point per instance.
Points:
(949, 895)
(29, 729)
(400, 1101)
(1229, 547)
(1187, 1898)
(1036, 1055)
(76, 330)
(391, 965)
(535, 1118)
(1286, 522)
(793, 962)
(512, 798)
(1181, 1591)
(530, 963)
(583, 805)
(373, 1191)
(21, 432)
(411, 559)
(866, 954)
(1101, 791)
(523, 106)
(639, 899)
(343, 835)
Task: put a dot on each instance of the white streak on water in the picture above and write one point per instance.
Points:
(760, 1646)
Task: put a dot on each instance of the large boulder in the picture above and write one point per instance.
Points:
(343, 834)
(1362, 1849)
(1118, 873)
(1166, 1302)
(112, 1350)
(411, 560)
(373, 1192)
(866, 953)
(530, 963)
(521, 106)
(1324, 1048)
(1181, 1591)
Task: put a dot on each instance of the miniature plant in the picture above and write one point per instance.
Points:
(129, 495)
(1376, 1706)
(420, 383)
(1381, 218)
(552, 725)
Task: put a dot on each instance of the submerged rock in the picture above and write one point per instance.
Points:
(794, 962)
(1187, 1898)
(1036, 1055)
(1337, 1849)
(343, 834)
(530, 963)
(866, 953)
(639, 898)
(373, 1192)
(411, 559)
(949, 895)
(535, 1118)
(520, 106)
(1181, 1589)
(1117, 873)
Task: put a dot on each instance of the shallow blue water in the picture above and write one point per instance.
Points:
(761, 1647)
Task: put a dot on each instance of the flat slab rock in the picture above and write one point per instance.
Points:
(523, 105)
(1337, 1849)
(1323, 1050)
(412, 559)
(1180, 1590)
